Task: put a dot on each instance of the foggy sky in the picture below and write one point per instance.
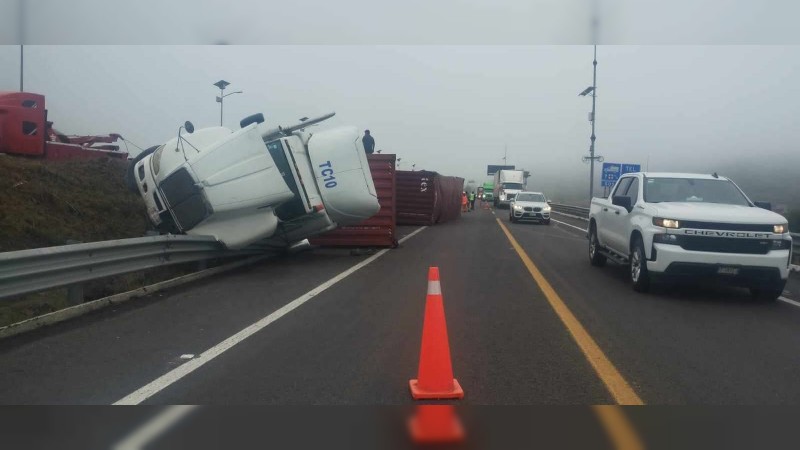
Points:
(452, 109)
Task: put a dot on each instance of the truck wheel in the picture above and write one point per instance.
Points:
(638, 267)
(768, 294)
(130, 177)
(595, 257)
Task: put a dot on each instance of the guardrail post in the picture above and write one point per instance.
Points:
(75, 294)
(74, 291)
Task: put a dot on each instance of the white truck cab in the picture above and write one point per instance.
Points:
(507, 184)
(690, 226)
(254, 184)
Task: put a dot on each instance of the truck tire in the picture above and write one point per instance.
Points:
(638, 267)
(130, 177)
(595, 257)
(768, 294)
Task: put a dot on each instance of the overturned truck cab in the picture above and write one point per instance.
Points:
(277, 186)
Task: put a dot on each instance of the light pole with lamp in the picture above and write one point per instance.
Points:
(222, 84)
(592, 158)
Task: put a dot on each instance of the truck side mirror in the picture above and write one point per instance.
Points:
(623, 201)
(189, 127)
(764, 205)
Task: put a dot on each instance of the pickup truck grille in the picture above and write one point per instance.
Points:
(726, 226)
(725, 245)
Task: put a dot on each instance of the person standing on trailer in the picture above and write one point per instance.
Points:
(369, 142)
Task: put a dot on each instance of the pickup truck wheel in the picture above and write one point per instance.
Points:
(638, 267)
(595, 257)
(769, 294)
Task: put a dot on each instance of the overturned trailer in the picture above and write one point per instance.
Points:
(427, 198)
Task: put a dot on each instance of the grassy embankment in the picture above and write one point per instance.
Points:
(44, 204)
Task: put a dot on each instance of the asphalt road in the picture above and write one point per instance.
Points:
(357, 341)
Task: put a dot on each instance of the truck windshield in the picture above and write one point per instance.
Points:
(530, 198)
(658, 190)
(512, 186)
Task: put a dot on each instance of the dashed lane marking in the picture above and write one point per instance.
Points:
(569, 225)
(789, 301)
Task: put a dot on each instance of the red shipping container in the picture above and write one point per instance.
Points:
(379, 230)
(427, 198)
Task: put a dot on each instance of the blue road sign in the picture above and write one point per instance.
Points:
(612, 172)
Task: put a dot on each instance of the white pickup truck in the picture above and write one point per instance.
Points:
(276, 186)
(676, 225)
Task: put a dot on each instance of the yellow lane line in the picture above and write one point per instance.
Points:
(622, 392)
(619, 429)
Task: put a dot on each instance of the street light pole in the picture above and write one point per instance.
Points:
(591, 147)
(222, 84)
(592, 158)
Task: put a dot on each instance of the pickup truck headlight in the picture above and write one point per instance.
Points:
(666, 223)
(780, 229)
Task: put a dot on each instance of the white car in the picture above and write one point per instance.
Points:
(530, 206)
(678, 225)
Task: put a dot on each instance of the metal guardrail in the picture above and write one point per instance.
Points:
(28, 271)
(579, 211)
(582, 212)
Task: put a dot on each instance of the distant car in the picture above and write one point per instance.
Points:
(529, 206)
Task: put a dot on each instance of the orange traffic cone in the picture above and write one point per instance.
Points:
(434, 424)
(435, 377)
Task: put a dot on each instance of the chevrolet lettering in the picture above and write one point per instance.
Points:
(730, 234)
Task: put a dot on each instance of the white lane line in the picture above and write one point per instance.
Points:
(179, 372)
(154, 428)
(791, 302)
(569, 225)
